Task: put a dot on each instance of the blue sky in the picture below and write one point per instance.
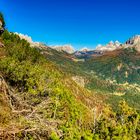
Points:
(82, 23)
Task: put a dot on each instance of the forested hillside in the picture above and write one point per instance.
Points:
(114, 76)
(45, 94)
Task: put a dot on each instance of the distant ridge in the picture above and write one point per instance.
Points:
(85, 52)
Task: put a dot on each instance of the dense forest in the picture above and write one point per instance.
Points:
(39, 100)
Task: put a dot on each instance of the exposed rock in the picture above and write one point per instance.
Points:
(133, 42)
(85, 52)
(1, 45)
(29, 39)
(85, 49)
(26, 37)
(119, 66)
(111, 46)
(126, 74)
(66, 48)
(1, 27)
(0, 23)
(117, 43)
(79, 80)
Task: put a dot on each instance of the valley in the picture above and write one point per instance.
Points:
(51, 94)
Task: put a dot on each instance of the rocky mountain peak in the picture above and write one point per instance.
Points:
(85, 49)
(29, 40)
(66, 48)
(109, 47)
(111, 43)
(134, 40)
(26, 37)
(117, 43)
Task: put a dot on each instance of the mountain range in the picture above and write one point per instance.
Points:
(85, 52)
(57, 93)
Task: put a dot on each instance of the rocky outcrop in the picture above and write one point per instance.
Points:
(26, 37)
(1, 45)
(133, 42)
(79, 80)
(1, 27)
(66, 48)
(111, 46)
(85, 52)
(85, 49)
(29, 39)
(100, 50)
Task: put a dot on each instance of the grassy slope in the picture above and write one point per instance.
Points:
(43, 98)
(39, 99)
(111, 66)
(46, 101)
(121, 66)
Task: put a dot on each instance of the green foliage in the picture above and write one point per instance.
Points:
(120, 125)
(41, 83)
(54, 136)
(20, 49)
(5, 112)
(36, 80)
(122, 66)
(105, 75)
(4, 115)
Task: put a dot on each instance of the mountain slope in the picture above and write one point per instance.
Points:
(40, 96)
(50, 95)
(120, 65)
(113, 76)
